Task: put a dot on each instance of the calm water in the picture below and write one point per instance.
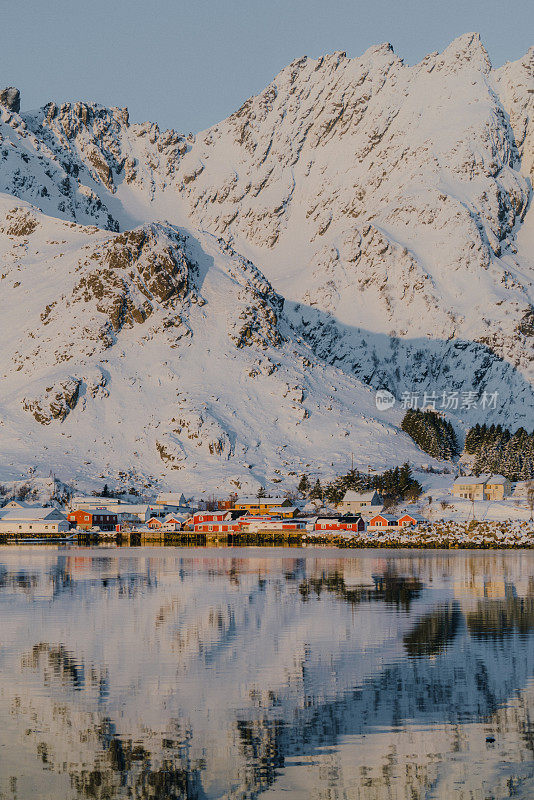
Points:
(193, 673)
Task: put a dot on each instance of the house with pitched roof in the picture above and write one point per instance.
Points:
(353, 523)
(266, 505)
(87, 518)
(359, 502)
(482, 487)
(33, 520)
(383, 522)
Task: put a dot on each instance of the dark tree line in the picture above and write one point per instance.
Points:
(394, 485)
(497, 450)
(431, 432)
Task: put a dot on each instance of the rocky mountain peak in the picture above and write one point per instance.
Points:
(378, 50)
(10, 98)
(468, 49)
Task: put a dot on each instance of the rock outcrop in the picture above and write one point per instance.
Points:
(10, 98)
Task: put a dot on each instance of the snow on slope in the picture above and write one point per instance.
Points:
(389, 208)
(388, 200)
(151, 355)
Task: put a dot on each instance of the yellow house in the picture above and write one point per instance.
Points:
(498, 487)
(277, 506)
(482, 487)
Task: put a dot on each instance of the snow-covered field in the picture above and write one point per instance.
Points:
(445, 506)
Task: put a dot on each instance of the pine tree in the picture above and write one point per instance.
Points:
(431, 432)
(335, 491)
(317, 491)
(473, 439)
(304, 485)
(497, 450)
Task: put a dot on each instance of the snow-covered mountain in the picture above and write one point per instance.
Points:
(207, 310)
(152, 355)
(391, 204)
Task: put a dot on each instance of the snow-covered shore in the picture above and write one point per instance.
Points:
(443, 534)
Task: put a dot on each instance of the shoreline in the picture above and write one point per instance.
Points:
(267, 546)
(473, 535)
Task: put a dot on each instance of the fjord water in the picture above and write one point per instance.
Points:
(205, 673)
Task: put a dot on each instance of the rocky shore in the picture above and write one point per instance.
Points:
(439, 535)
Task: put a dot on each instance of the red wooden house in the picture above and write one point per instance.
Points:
(347, 522)
(383, 521)
(224, 526)
(409, 520)
(87, 518)
(202, 517)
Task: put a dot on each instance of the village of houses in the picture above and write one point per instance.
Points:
(477, 511)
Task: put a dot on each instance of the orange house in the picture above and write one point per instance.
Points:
(409, 520)
(382, 521)
(87, 518)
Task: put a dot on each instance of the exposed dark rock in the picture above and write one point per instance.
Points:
(136, 269)
(19, 222)
(10, 98)
(56, 402)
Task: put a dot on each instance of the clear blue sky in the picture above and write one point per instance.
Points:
(188, 65)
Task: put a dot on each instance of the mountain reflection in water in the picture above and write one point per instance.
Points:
(191, 674)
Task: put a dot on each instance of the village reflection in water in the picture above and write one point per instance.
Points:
(192, 674)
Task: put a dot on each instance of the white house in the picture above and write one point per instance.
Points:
(130, 512)
(84, 501)
(161, 510)
(173, 500)
(354, 502)
(33, 520)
